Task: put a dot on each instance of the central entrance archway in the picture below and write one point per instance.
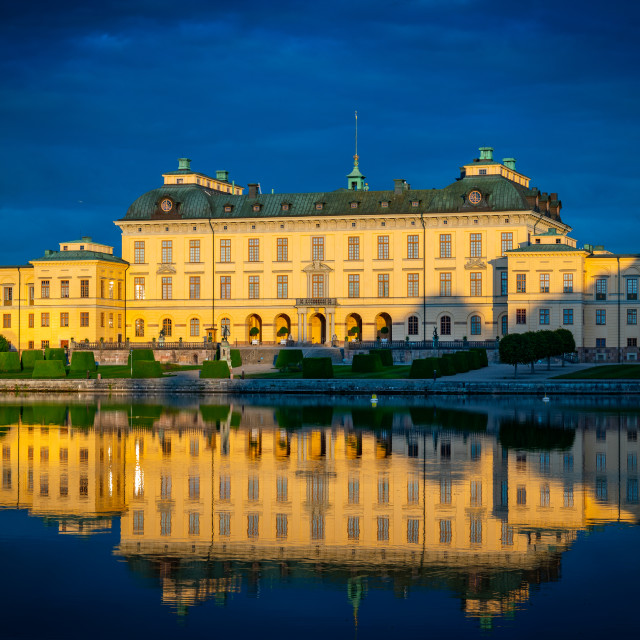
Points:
(318, 328)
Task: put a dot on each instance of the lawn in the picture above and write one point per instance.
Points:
(605, 372)
(106, 371)
(343, 371)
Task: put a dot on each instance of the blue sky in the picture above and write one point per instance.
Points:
(97, 100)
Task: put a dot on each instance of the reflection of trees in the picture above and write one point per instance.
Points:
(529, 436)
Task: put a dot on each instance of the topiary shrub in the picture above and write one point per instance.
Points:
(474, 360)
(461, 361)
(288, 359)
(423, 368)
(447, 365)
(141, 354)
(30, 357)
(317, 368)
(83, 361)
(9, 362)
(366, 363)
(55, 354)
(215, 369)
(236, 358)
(146, 369)
(48, 369)
(386, 356)
(482, 353)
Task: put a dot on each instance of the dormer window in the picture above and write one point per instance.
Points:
(65, 248)
(198, 180)
(228, 208)
(482, 172)
(384, 204)
(557, 240)
(537, 240)
(81, 247)
(354, 205)
(257, 207)
(179, 180)
(319, 206)
(415, 203)
(286, 206)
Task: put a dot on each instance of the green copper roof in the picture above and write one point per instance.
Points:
(80, 255)
(545, 248)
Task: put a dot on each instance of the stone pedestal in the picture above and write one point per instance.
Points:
(225, 352)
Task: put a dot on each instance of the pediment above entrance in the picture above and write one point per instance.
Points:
(475, 263)
(166, 268)
(317, 267)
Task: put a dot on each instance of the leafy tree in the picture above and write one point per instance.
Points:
(533, 347)
(567, 341)
(4, 343)
(254, 331)
(515, 349)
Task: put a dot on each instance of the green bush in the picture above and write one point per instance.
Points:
(386, 356)
(461, 361)
(236, 358)
(422, 368)
(289, 358)
(49, 369)
(55, 354)
(9, 362)
(366, 363)
(83, 361)
(146, 369)
(317, 368)
(30, 357)
(215, 369)
(474, 360)
(141, 354)
(482, 353)
(447, 365)
(4, 344)
(215, 412)
(9, 414)
(82, 415)
(45, 414)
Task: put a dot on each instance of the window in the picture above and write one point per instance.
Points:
(445, 531)
(8, 295)
(282, 489)
(504, 280)
(44, 289)
(445, 490)
(283, 249)
(544, 282)
(253, 489)
(119, 290)
(475, 246)
(354, 491)
(224, 524)
(601, 289)
(383, 247)
(283, 287)
(521, 495)
(167, 288)
(544, 316)
(225, 488)
(225, 250)
(84, 288)
(253, 525)
(476, 284)
(445, 245)
(225, 287)
(194, 250)
(601, 316)
(353, 528)
(507, 242)
(383, 528)
(413, 282)
(475, 531)
(601, 342)
(445, 326)
(167, 251)
(139, 327)
(165, 523)
(64, 289)
(413, 247)
(254, 286)
(6, 321)
(412, 326)
(254, 249)
(102, 288)
(44, 320)
(31, 294)
(383, 285)
(194, 523)
(354, 285)
(167, 327)
(317, 248)
(521, 316)
(567, 316)
(567, 282)
(504, 325)
(445, 284)
(138, 252)
(138, 288)
(194, 287)
(476, 326)
(632, 316)
(84, 318)
(632, 288)
(44, 344)
(413, 531)
(354, 248)
(64, 319)
(601, 462)
(521, 283)
(194, 327)
(632, 342)
(317, 286)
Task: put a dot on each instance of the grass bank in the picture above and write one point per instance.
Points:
(604, 372)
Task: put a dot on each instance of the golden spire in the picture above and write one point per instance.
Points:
(355, 158)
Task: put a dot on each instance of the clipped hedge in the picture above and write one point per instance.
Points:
(447, 365)
(146, 369)
(423, 368)
(83, 361)
(366, 363)
(55, 354)
(289, 358)
(236, 358)
(484, 360)
(9, 362)
(474, 360)
(317, 368)
(49, 369)
(461, 361)
(386, 356)
(30, 357)
(215, 369)
(141, 354)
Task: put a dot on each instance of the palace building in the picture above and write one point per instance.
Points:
(487, 255)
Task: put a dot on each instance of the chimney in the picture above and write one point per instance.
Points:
(400, 185)
(486, 153)
(184, 164)
(222, 175)
(253, 189)
(48, 252)
(86, 238)
(510, 163)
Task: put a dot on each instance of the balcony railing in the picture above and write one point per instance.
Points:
(91, 346)
(316, 302)
(421, 344)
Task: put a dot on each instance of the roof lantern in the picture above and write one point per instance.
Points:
(184, 164)
(486, 153)
(510, 163)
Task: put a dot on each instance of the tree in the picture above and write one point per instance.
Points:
(4, 343)
(282, 331)
(567, 341)
(515, 349)
(533, 347)
(254, 331)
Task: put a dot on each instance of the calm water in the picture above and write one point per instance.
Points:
(251, 517)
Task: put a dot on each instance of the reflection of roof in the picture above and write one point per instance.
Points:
(80, 255)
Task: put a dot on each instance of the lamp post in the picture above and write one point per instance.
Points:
(131, 360)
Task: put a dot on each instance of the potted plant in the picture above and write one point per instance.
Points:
(253, 333)
(283, 332)
(465, 342)
(384, 332)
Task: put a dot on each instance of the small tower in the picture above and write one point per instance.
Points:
(355, 180)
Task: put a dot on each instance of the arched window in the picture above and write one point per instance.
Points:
(225, 322)
(445, 326)
(504, 325)
(413, 325)
(476, 326)
(194, 325)
(167, 327)
(139, 328)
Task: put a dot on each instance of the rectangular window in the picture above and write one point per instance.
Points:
(413, 490)
(632, 288)
(283, 249)
(521, 316)
(64, 319)
(544, 316)
(44, 320)
(475, 245)
(44, 344)
(64, 288)
(84, 288)
(167, 288)
(6, 321)
(413, 531)
(317, 286)
(138, 252)
(413, 247)
(253, 525)
(353, 528)
(31, 320)
(194, 523)
(544, 282)
(632, 316)
(507, 242)
(317, 248)
(283, 287)
(475, 531)
(138, 288)
(476, 493)
(282, 489)
(383, 528)
(567, 282)
(31, 294)
(504, 283)
(194, 287)
(445, 531)
(383, 247)
(102, 288)
(354, 248)
(601, 289)
(383, 285)
(44, 289)
(567, 316)
(445, 491)
(445, 245)
(254, 249)
(194, 327)
(601, 342)
(119, 290)
(282, 528)
(601, 316)
(8, 296)
(354, 491)
(632, 342)
(413, 285)
(194, 250)
(84, 318)
(476, 284)
(224, 524)
(225, 250)
(521, 495)
(383, 490)
(225, 287)
(138, 522)
(354, 285)
(445, 284)
(165, 523)
(601, 462)
(167, 251)
(225, 488)
(521, 283)
(254, 287)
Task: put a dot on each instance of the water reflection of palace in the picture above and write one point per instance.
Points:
(217, 499)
